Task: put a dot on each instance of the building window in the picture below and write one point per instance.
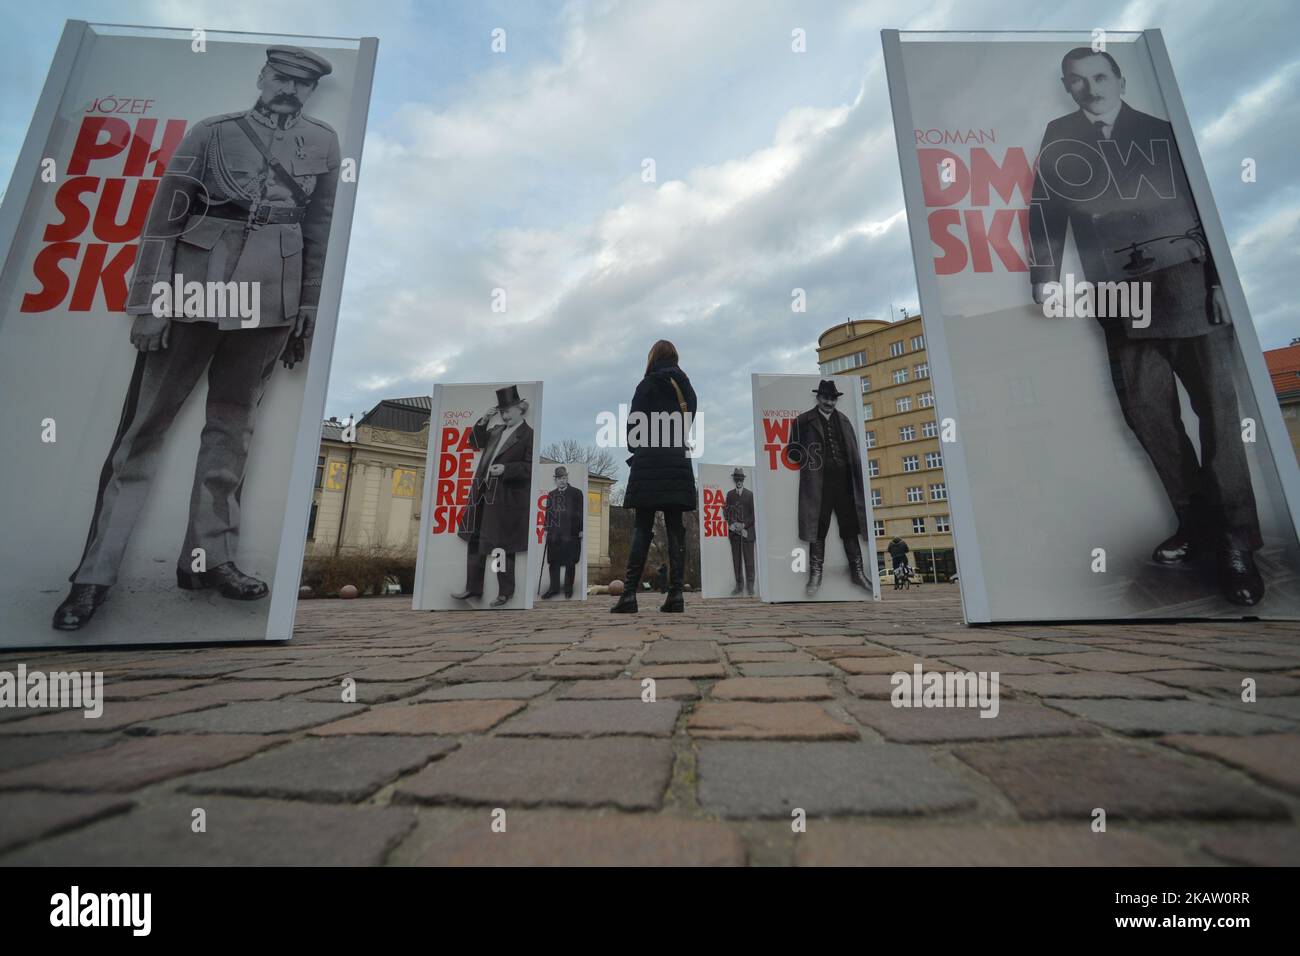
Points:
(939, 492)
(879, 528)
(930, 429)
(933, 459)
(867, 411)
(903, 404)
(320, 472)
(844, 362)
(907, 433)
(871, 439)
(866, 384)
(941, 523)
(915, 494)
(896, 348)
(918, 526)
(925, 400)
(918, 343)
(911, 463)
(873, 467)
(900, 376)
(875, 497)
(922, 370)
(311, 522)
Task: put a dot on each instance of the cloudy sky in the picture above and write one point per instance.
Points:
(774, 170)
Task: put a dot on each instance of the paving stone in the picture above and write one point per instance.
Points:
(1232, 661)
(772, 688)
(793, 669)
(329, 769)
(659, 671)
(1271, 758)
(628, 689)
(828, 640)
(535, 838)
(594, 718)
(463, 672)
(579, 671)
(681, 652)
(744, 656)
(400, 671)
(1228, 683)
(196, 668)
(935, 724)
(1068, 779)
(1274, 846)
(740, 779)
(240, 833)
(251, 717)
(137, 689)
(631, 773)
(228, 691)
(370, 691)
(116, 715)
(1144, 718)
(26, 817)
(846, 844)
(1003, 663)
(615, 655)
(1287, 708)
(1117, 662)
(830, 652)
(490, 690)
(513, 659)
(299, 671)
(1091, 684)
(884, 665)
(764, 647)
(794, 720)
(437, 717)
(874, 686)
(1036, 647)
(18, 751)
(136, 762)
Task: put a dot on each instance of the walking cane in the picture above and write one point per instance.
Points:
(542, 567)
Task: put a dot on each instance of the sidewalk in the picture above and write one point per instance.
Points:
(535, 720)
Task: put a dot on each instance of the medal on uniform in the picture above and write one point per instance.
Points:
(301, 143)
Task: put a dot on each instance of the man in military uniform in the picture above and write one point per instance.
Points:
(563, 517)
(825, 446)
(739, 512)
(246, 198)
(497, 515)
(1142, 225)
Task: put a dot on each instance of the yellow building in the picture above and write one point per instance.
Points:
(369, 488)
(909, 493)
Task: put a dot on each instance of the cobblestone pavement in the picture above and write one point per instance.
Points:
(535, 720)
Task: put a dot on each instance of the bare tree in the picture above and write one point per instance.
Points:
(599, 461)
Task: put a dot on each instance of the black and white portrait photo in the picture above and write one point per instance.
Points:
(557, 549)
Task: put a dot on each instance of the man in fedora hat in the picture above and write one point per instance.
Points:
(739, 512)
(246, 201)
(497, 514)
(825, 446)
(564, 507)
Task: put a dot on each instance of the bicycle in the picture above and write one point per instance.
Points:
(904, 577)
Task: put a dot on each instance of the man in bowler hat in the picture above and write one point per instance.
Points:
(246, 198)
(824, 445)
(498, 509)
(741, 530)
(563, 518)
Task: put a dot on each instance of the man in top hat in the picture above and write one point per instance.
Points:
(825, 446)
(497, 514)
(564, 509)
(246, 198)
(1142, 225)
(741, 531)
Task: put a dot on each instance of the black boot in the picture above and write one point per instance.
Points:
(635, 566)
(229, 581)
(816, 559)
(79, 606)
(857, 573)
(674, 604)
(1239, 579)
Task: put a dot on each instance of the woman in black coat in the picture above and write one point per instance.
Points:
(661, 477)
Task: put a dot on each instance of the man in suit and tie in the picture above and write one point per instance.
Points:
(825, 446)
(1114, 177)
(245, 201)
(563, 517)
(497, 514)
(741, 530)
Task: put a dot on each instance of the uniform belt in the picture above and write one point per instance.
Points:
(263, 214)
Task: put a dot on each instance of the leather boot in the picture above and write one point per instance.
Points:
(1239, 578)
(635, 567)
(857, 573)
(674, 604)
(79, 606)
(816, 559)
(229, 581)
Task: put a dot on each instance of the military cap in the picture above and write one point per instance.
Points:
(299, 63)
